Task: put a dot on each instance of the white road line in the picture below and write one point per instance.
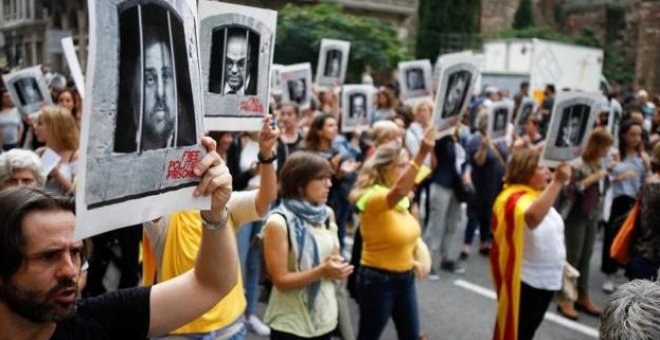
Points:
(553, 317)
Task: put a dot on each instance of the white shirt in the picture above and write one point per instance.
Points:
(544, 253)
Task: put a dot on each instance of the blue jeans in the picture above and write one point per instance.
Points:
(480, 219)
(383, 295)
(250, 257)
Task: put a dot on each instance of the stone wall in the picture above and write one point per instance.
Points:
(497, 15)
(648, 48)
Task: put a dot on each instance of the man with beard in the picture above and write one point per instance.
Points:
(41, 262)
(159, 113)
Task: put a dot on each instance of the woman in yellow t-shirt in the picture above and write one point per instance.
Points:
(390, 237)
(301, 249)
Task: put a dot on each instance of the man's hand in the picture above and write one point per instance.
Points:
(216, 181)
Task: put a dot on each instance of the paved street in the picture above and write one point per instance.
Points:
(463, 306)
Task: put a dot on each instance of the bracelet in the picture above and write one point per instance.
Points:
(414, 165)
(263, 160)
(213, 226)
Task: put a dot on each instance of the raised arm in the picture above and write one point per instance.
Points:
(178, 301)
(406, 181)
(536, 212)
(268, 178)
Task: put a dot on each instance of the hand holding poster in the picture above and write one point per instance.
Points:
(415, 79)
(499, 116)
(296, 82)
(357, 107)
(143, 116)
(237, 45)
(573, 118)
(333, 60)
(458, 75)
(28, 90)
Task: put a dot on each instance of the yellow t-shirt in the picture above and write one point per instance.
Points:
(179, 250)
(389, 235)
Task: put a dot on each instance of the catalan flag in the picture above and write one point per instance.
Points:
(506, 256)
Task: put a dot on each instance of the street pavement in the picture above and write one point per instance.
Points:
(463, 306)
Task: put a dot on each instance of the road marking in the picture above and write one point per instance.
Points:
(553, 317)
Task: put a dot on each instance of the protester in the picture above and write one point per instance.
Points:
(645, 260)
(627, 177)
(11, 126)
(20, 168)
(385, 103)
(173, 240)
(70, 99)
(487, 162)
(632, 312)
(302, 253)
(390, 236)
(528, 254)
(291, 137)
(57, 128)
(581, 210)
(532, 138)
(545, 110)
(39, 275)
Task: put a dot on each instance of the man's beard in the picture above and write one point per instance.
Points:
(164, 128)
(39, 309)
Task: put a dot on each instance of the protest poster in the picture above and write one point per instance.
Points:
(357, 107)
(333, 60)
(296, 81)
(143, 120)
(74, 65)
(526, 110)
(276, 80)
(458, 75)
(28, 90)
(499, 116)
(415, 80)
(614, 120)
(572, 120)
(236, 45)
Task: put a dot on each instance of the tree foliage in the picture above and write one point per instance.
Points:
(443, 19)
(374, 43)
(524, 16)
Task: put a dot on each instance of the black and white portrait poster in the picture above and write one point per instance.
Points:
(526, 110)
(614, 119)
(357, 107)
(333, 60)
(415, 80)
(296, 81)
(143, 117)
(573, 117)
(28, 90)
(499, 116)
(276, 79)
(236, 45)
(458, 75)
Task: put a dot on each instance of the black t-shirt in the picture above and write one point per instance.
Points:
(122, 314)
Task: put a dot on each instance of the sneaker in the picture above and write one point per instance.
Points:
(433, 275)
(609, 286)
(452, 267)
(258, 326)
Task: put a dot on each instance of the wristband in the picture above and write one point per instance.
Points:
(216, 226)
(263, 160)
(414, 165)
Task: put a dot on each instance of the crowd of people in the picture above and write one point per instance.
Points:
(295, 191)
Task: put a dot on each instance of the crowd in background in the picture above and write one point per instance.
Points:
(302, 188)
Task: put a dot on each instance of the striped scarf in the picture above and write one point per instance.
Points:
(507, 254)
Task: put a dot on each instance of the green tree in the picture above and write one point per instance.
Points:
(524, 17)
(374, 43)
(445, 26)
